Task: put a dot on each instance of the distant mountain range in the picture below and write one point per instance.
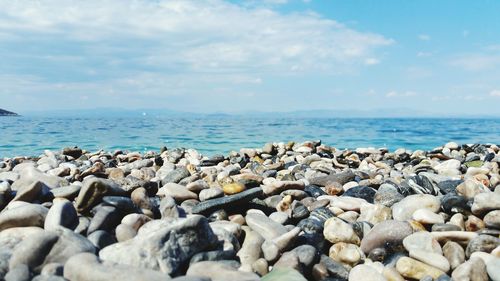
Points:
(319, 113)
(4, 112)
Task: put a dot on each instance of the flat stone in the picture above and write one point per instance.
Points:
(473, 269)
(425, 216)
(387, 195)
(389, 231)
(435, 260)
(412, 268)
(92, 191)
(235, 200)
(422, 240)
(210, 193)
(175, 176)
(482, 243)
(24, 215)
(233, 188)
(28, 193)
(283, 274)
(263, 225)
(346, 253)
(404, 209)
(492, 219)
(342, 178)
(493, 269)
(179, 192)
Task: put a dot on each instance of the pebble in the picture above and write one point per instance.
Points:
(337, 230)
(454, 253)
(412, 268)
(425, 216)
(365, 273)
(404, 209)
(389, 231)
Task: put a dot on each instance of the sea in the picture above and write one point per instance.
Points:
(31, 136)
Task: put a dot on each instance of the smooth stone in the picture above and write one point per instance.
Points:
(28, 193)
(92, 191)
(473, 269)
(364, 192)
(457, 236)
(435, 260)
(390, 231)
(307, 255)
(485, 202)
(175, 176)
(336, 230)
(493, 269)
(445, 166)
(233, 188)
(374, 213)
(124, 204)
(288, 260)
(218, 255)
(345, 203)
(210, 193)
(454, 253)
(197, 186)
(235, 200)
(422, 240)
(140, 198)
(346, 253)
(179, 192)
(273, 247)
(62, 213)
(74, 152)
(492, 219)
(445, 227)
(482, 243)
(365, 273)
(53, 269)
(404, 209)
(412, 268)
(165, 248)
(260, 267)
(263, 225)
(272, 186)
(425, 216)
(68, 245)
(101, 239)
(470, 188)
(33, 250)
(279, 217)
(125, 232)
(25, 214)
(474, 223)
(334, 269)
(387, 195)
(68, 192)
(283, 274)
(106, 218)
(218, 271)
(88, 267)
(342, 178)
(19, 273)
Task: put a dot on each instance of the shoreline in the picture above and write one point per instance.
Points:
(285, 211)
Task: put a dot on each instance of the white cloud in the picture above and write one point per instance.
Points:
(495, 93)
(424, 37)
(477, 62)
(211, 35)
(424, 54)
(395, 94)
(371, 61)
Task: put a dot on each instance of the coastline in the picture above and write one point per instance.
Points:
(302, 211)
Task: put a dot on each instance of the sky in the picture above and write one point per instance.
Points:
(436, 57)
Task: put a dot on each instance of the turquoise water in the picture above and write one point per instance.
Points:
(211, 135)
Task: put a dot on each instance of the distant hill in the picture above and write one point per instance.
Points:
(7, 113)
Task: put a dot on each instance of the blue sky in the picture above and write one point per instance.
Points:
(439, 57)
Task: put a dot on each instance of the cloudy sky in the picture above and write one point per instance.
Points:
(269, 55)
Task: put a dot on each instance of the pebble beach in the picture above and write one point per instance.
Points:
(281, 212)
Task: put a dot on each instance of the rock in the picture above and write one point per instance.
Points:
(273, 186)
(432, 259)
(422, 240)
(342, 178)
(74, 152)
(374, 213)
(493, 269)
(217, 271)
(28, 193)
(272, 248)
(227, 201)
(175, 176)
(336, 230)
(345, 253)
(101, 239)
(485, 202)
(364, 192)
(33, 250)
(492, 219)
(334, 269)
(482, 243)
(425, 216)
(454, 253)
(404, 209)
(283, 274)
(92, 191)
(473, 269)
(365, 273)
(68, 192)
(210, 193)
(166, 249)
(87, 267)
(387, 195)
(263, 225)
(179, 192)
(18, 273)
(412, 268)
(25, 214)
(250, 250)
(106, 218)
(390, 231)
(233, 188)
(62, 213)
